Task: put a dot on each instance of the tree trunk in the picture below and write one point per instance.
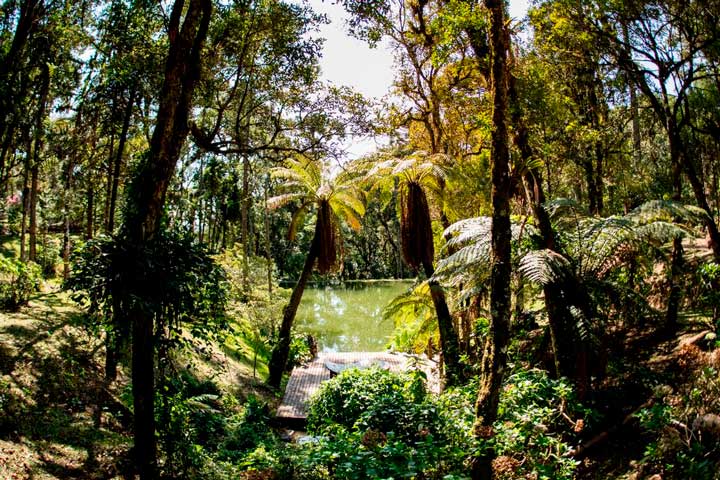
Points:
(698, 187)
(35, 169)
(119, 160)
(146, 201)
(90, 214)
(449, 342)
(495, 352)
(32, 227)
(268, 253)
(66, 229)
(675, 296)
(245, 220)
(66, 196)
(25, 200)
(280, 353)
(109, 179)
(10, 98)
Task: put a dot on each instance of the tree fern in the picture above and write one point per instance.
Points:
(413, 315)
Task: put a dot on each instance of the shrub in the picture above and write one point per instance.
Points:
(537, 418)
(345, 398)
(709, 297)
(18, 281)
(679, 446)
(378, 424)
(300, 352)
(48, 256)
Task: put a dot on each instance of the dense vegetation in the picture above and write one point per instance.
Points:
(551, 184)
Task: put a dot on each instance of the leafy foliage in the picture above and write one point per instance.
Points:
(378, 424)
(371, 398)
(538, 418)
(413, 315)
(174, 278)
(679, 444)
(18, 281)
(336, 198)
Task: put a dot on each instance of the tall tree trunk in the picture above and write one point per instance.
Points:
(119, 160)
(27, 165)
(268, 252)
(598, 153)
(279, 358)
(675, 296)
(245, 221)
(590, 179)
(495, 352)
(66, 195)
(449, 342)
(35, 168)
(10, 97)
(90, 214)
(32, 226)
(109, 180)
(200, 207)
(146, 201)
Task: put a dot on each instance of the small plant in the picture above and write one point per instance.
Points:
(682, 443)
(710, 293)
(18, 281)
(300, 351)
(378, 424)
(538, 417)
(48, 255)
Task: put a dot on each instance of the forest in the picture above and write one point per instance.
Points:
(535, 232)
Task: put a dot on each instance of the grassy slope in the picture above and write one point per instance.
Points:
(51, 386)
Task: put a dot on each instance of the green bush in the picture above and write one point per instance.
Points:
(709, 297)
(374, 424)
(378, 424)
(18, 281)
(299, 351)
(538, 417)
(48, 256)
(676, 448)
(345, 398)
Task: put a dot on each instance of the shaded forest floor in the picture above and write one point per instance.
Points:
(58, 420)
(654, 379)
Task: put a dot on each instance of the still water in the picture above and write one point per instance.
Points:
(348, 317)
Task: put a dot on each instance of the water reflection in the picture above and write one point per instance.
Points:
(345, 318)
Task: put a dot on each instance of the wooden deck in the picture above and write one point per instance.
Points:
(306, 379)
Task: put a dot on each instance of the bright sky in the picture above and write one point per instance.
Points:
(351, 62)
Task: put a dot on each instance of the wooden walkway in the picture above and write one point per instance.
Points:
(306, 379)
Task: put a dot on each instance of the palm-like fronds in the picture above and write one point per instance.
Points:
(469, 240)
(336, 198)
(596, 245)
(419, 167)
(667, 211)
(545, 267)
(413, 315)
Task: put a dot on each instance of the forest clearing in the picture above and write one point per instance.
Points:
(220, 261)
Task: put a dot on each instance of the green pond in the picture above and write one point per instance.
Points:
(348, 317)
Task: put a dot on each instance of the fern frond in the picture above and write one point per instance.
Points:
(667, 211)
(559, 207)
(466, 231)
(475, 257)
(278, 201)
(297, 219)
(545, 267)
